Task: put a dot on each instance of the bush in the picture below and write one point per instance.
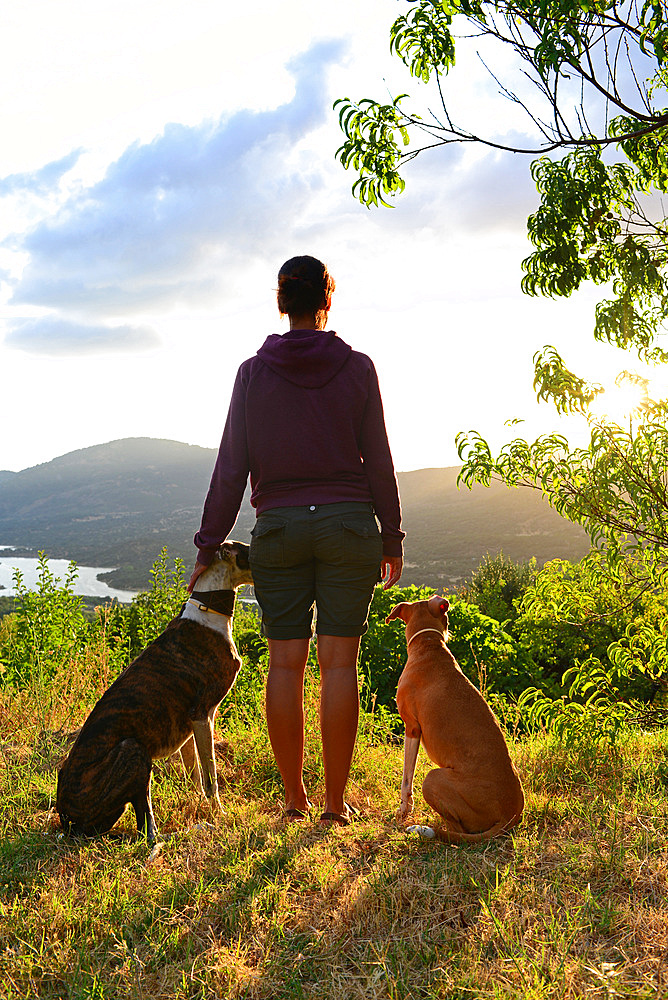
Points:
(383, 647)
(150, 612)
(47, 629)
(574, 613)
(490, 657)
(591, 714)
(245, 702)
(498, 585)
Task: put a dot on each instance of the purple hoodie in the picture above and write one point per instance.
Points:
(306, 421)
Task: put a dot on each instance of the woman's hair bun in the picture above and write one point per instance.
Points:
(304, 285)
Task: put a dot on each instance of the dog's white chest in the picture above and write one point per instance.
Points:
(209, 619)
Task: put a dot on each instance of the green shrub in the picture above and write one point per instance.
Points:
(383, 647)
(490, 657)
(150, 611)
(498, 585)
(591, 714)
(579, 612)
(245, 702)
(47, 628)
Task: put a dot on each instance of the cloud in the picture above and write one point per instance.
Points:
(54, 336)
(41, 181)
(496, 191)
(172, 218)
(471, 189)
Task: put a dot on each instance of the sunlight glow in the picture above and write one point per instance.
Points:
(620, 403)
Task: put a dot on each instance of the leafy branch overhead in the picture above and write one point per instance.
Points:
(595, 73)
(372, 148)
(586, 62)
(615, 488)
(593, 80)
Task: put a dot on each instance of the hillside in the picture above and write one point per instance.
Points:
(118, 504)
(449, 531)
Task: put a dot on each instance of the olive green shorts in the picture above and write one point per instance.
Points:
(325, 555)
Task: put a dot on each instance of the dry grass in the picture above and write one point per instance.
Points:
(575, 904)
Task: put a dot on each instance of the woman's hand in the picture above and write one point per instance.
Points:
(197, 572)
(391, 568)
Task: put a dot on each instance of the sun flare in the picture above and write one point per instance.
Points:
(620, 403)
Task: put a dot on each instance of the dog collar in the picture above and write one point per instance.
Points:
(422, 630)
(220, 602)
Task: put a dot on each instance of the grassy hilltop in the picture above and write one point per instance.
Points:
(574, 904)
(245, 905)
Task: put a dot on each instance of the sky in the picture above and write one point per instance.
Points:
(160, 161)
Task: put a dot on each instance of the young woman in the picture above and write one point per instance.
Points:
(306, 422)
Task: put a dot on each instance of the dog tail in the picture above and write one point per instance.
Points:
(455, 837)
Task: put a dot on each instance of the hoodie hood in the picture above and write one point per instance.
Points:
(308, 358)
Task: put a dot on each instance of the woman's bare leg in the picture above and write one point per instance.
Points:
(285, 715)
(339, 713)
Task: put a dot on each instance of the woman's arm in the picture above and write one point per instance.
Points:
(379, 470)
(228, 482)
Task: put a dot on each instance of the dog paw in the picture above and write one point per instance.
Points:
(156, 851)
(426, 832)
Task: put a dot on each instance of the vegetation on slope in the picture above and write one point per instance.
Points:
(118, 504)
(247, 905)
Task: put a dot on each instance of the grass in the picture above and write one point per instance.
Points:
(574, 904)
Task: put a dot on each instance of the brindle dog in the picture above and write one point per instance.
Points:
(169, 694)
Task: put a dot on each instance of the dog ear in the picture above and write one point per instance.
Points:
(235, 553)
(438, 607)
(398, 611)
(226, 552)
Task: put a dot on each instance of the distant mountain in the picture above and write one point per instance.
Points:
(118, 504)
(114, 504)
(449, 531)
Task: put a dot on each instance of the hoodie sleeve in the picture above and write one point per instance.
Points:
(379, 469)
(228, 482)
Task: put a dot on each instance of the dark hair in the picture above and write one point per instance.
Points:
(305, 285)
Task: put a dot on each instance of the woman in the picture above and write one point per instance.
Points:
(306, 421)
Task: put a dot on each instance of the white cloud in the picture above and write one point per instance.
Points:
(460, 190)
(42, 181)
(172, 218)
(494, 192)
(53, 336)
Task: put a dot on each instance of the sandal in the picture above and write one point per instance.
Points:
(296, 814)
(339, 818)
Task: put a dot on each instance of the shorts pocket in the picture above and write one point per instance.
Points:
(362, 543)
(267, 547)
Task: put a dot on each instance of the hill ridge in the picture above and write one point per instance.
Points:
(118, 503)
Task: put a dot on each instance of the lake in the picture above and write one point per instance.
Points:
(86, 584)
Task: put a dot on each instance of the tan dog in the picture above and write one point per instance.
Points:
(475, 788)
(169, 694)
